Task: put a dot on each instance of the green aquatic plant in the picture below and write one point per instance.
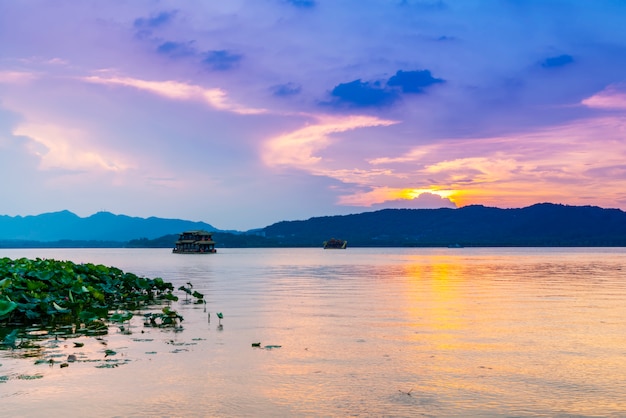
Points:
(190, 292)
(53, 292)
(6, 307)
(166, 318)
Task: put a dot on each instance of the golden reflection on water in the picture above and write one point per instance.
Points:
(517, 339)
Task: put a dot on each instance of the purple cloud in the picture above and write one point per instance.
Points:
(378, 93)
(221, 60)
(155, 21)
(413, 81)
(302, 3)
(288, 89)
(558, 61)
(359, 94)
(176, 49)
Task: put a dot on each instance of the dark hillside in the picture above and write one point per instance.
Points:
(537, 225)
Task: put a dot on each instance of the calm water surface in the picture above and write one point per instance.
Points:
(362, 332)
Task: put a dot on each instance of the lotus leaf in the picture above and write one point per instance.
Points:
(89, 316)
(121, 317)
(185, 289)
(86, 296)
(6, 307)
(10, 338)
(60, 309)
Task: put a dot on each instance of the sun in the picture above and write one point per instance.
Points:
(411, 194)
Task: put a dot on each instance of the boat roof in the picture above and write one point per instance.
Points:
(198, 232)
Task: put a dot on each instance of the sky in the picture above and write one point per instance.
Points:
(243, 113)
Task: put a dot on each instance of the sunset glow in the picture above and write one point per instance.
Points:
(239, 105)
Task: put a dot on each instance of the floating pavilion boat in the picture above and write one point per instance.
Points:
(335, 244)
(195, 242)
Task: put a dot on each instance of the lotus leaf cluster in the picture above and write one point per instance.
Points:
(52, 292)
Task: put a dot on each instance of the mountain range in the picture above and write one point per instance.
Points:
(543, 224)
(102, 226)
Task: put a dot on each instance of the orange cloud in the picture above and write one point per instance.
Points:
(577, 163)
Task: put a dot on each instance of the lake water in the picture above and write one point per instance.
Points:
(362, 332)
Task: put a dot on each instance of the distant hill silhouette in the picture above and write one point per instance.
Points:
(102, 226)
(539, 225)
(542, 224)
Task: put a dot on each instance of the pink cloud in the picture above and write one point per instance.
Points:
(612, 97)
(298, 148)
(214, 97)
(10, 77)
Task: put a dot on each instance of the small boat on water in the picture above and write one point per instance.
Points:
(195, 242)
(335, 244)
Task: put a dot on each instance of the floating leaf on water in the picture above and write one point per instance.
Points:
(110, 363)
(56, 355)
(93, 332)
(30, 377)
(107, 365)
(121, 317)
(10, 338)
(89, 316)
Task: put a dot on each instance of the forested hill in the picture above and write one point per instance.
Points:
(538, 225)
